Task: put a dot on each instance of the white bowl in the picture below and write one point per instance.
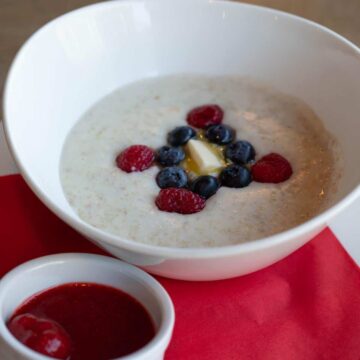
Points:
(75, 60)
(49, 271)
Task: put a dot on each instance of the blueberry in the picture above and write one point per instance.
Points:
(240, 152)
(172, 177)
(235, 176)
(181, 135)
(205, 186)
(220, 134)
(168, 156)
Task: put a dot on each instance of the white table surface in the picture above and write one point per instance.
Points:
(346, 226)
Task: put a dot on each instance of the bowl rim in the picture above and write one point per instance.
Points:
(314, 224)
(157, 344)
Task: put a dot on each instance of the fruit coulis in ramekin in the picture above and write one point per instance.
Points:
(82, 321)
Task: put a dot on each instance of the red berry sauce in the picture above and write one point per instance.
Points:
(42, 335)
(88, 321)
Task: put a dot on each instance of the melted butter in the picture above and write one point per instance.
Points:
(191, 167)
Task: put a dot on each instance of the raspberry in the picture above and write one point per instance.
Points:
(181, 201)
(44, 336)
(272, 168)
(135, 158)
(204, 116)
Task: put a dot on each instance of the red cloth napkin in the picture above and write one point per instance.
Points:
(305, 307)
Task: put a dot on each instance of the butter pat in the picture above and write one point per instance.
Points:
(204, 157)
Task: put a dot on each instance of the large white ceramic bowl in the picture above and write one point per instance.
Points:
(75, 60)
(41, 274)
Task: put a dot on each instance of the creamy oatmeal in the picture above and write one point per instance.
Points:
(144, 113)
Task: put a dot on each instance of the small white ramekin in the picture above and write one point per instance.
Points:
(49, 271)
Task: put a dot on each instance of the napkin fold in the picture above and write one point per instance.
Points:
(305, 307)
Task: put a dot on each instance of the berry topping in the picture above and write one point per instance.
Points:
(172, 177)
(205, 186)
(203, 156)
(135, 158)
(220, 134)
(235, 176)
(181, 135)
(181, 201)
(204, 116)
(44, 336)
(240, 152)
(168, 156)
(272, 168)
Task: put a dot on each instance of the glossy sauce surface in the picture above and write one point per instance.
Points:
(103, 322)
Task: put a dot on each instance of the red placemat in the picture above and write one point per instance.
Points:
(306, 306)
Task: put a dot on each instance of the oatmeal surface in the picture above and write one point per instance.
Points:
(144, 112)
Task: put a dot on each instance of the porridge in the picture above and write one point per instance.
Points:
(127, 203)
